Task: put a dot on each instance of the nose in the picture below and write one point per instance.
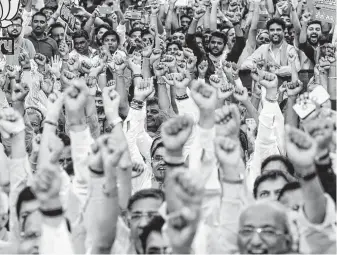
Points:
(256, 240)
(143, 222)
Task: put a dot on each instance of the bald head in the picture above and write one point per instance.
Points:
(264, 228)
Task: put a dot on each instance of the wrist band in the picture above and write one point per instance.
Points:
(325, 156)
(97, 172)
(136, 104)
(52, 213)
(137, 75)
(50, 123)
(271, 100)
(174, 164)
(182, 97)
(309, 177)
(223, 179)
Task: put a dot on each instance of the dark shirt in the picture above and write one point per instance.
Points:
(235, 53)
(308, 50)
(328, 178)
(45, 45)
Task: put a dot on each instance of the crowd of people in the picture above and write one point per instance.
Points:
(168, 126)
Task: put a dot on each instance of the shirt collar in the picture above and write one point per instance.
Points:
(270, 46)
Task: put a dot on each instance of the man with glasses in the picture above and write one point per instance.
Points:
(264, 233)
(143, 206)
(20, 44)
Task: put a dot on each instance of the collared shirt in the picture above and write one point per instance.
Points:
(45, 45)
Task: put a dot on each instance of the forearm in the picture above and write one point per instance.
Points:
(332, 81)
(146, 68)
(102, 213)
(207, 18)
(120, 88)
(193, 27)
(295, 21)
(213, 17)
(303, 34)
(163, 98)
(252, 112)
(291, 117)
(314, 200)
(270, 7)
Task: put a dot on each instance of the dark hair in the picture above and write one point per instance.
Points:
(56, 25)
(314, 22)
(276, 21)
(288, 187)
(146, 193)
(199, 34)
(219, 35)
(137, 29)
(179, 30)
(284, 160)
(80, 33)
(25, 195)
(47, 8)
(156, 143)
(268, 175)
(185, 16)
(111, 32)
(106, 26)
(155, 225)
(39, 14)
(145, 32)
(172, 43)
(65, 139)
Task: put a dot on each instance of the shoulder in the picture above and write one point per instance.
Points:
(52, 41)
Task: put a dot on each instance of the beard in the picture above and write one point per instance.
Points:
(313, 39)
(217, 53)
(276, 39)
(14, 35)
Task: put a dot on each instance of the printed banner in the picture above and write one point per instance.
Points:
(325, 10)
(7, 45)
(67, 16)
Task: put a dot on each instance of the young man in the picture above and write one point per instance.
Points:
(20, 44)
(276, 52)
(269, 185)
(57, 32)
(42, 43)
(143, 206)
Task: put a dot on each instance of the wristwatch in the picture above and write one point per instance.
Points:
(115, 122)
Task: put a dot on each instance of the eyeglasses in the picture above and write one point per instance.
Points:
(136, 216)
(264, 233)
(158, 158)
(155, 250)
(29, 235)
(178, 38)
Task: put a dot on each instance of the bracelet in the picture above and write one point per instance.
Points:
(182, 97)
(135, 106)
(115, 122)
(308, 177)
(223, 179)
(271, 100)
(97, 172)
(138, 102)
(119, 75)
(324, 157)
(137, 75)
(174, 164)
(50, 123)
(52, 213)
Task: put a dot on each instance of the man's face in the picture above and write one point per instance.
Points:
(156, 243)
(270, 189)
(48, 13)
(58, 34)
(140, 215)
(292, 199)
(286, 19)
(276, 33)
(100, 33)
(148, 39)
(172, 49)
(185, 22)
(179, 37)
(272, 240)
(262, 39)
(314, 32)
(287, 35)
(199, 42)
(111, 42)
(39, 24)
(65, 159)
(81, 45)
(34, 120)
(15, 29)
(207, 37)
(216, 46)
(152, 116)
(158, 164)
(30, 224)
(136, 36)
